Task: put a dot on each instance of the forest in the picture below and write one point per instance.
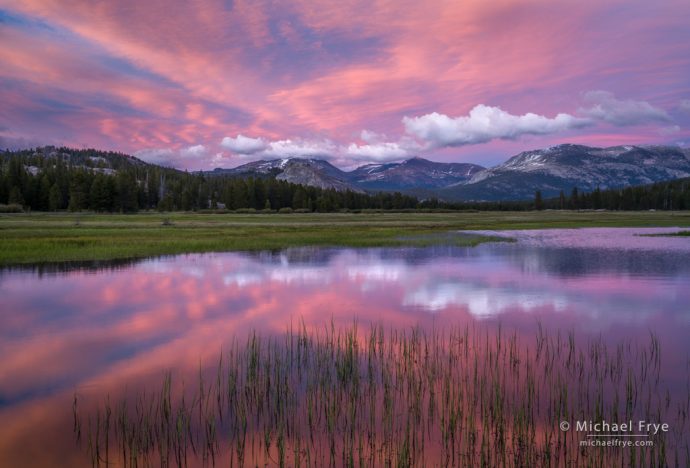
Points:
(59, 179)
(78, 180)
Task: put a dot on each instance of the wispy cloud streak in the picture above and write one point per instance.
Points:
(470, 78)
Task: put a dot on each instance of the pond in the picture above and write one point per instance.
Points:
(106, 330)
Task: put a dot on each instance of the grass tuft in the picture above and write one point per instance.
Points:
(461, 396)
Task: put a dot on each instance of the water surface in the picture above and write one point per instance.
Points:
(99, 328)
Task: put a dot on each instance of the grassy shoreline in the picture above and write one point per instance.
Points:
(56, 237)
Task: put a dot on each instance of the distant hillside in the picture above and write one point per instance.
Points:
(564, 167)
(51, 179)
(62, 178)
(668, 195)
(550, 170)
(415, 173)
(107, 162)
(303, 171)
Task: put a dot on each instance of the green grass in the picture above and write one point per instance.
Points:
(460, 396)
(54, 237)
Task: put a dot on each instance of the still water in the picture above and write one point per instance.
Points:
(99, 329)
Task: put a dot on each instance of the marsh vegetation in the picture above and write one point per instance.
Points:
(54, 237)
(376, 396)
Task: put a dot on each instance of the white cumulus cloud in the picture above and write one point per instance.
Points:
(193, 151)
(483, 124)
(244, 145)
(377, 149)
(262, 148)
(371, 137)
(621, 112)
(300, 148)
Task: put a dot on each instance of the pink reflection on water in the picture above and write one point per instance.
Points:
(99, 332)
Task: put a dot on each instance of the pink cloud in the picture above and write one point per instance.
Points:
(156, 75)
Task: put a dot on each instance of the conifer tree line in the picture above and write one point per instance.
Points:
(76, 180)
(67, 179)
(670, 195)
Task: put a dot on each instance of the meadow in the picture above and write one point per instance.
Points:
(366, 394)
(56, 237)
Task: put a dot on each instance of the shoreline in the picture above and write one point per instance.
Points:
(38, 238)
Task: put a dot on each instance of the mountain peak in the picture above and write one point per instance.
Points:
(563, 167)
(416, 160)
(550, 169)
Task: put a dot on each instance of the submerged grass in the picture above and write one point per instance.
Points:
(671, 234)
(417, 397)
(56, 237)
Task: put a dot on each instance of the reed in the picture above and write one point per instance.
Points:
(461, 396)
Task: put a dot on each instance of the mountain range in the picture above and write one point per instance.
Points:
(550, 170)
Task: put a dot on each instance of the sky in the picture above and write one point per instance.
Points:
(203, 84)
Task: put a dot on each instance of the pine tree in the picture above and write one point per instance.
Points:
(78, 192)
(42, 200)
(575, 199)
(126, 192)
(55, 198)
(102, 193)
(15, 197)
(538, 202)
